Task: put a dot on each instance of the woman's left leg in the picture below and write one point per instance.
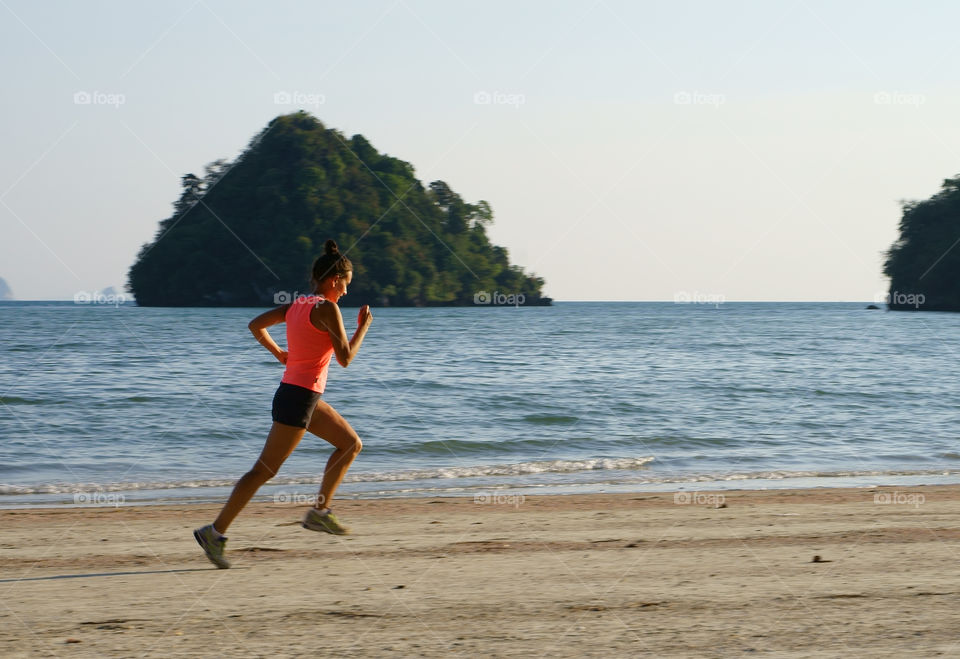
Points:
(327, 424)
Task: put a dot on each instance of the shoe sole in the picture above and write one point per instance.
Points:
(223, 566)
(324, 529)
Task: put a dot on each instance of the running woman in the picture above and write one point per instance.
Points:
(315, 332)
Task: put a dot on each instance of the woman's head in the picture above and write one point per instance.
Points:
(332, 272)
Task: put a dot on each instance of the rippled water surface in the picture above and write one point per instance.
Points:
(175, 403)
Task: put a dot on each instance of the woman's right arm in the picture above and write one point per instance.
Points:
(345, 350)
(258, 326)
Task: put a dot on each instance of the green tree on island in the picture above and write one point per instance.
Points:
(248, 230)
(924, 263)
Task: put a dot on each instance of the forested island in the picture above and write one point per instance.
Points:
(247, 232)
(924, 263)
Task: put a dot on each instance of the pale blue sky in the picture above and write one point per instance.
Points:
(631, 150)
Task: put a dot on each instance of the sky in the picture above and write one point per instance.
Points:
(752, 150)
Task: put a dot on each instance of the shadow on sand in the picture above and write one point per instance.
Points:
(109, 574)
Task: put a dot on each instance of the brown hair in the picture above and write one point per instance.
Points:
(331, 263)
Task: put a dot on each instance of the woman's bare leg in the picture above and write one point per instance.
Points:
(327, 424)
(280, 443)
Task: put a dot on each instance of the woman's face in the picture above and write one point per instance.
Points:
(336, 286)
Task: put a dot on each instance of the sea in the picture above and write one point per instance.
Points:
(116, 404)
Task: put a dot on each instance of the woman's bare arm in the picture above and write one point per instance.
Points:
(332, 321)
(258, 326)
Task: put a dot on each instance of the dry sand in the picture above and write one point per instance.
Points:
(556, 576)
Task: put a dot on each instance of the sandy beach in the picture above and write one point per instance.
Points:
(597, 575)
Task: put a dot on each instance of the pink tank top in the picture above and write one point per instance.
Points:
(308, 349)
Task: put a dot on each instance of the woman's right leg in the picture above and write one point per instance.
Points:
(326, 423)
(280, 443)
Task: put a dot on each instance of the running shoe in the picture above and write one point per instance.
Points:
(328, 522)
(213, 546)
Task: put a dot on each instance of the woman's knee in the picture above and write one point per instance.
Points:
(355, 446)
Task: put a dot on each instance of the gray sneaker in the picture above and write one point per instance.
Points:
(213, 546)
(315, 521)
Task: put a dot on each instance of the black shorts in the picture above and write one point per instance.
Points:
(293, 405)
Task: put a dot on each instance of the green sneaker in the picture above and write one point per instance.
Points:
(212, 546)
(328, 522)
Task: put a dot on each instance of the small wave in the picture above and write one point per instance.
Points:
(464, 447)
(80, 488)
(550, 419)
(16, 400)
(784, 474)
(872, 395)
(510, 469)
(514, 469)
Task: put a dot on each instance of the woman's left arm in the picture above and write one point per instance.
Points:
(258, 326)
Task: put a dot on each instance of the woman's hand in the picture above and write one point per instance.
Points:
(364, 317)
(282, 357)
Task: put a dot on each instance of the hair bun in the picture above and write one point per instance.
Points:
(330, 247)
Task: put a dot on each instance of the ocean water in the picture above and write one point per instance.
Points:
(102, 404)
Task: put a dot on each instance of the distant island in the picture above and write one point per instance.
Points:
(924, 263)
(247, 232)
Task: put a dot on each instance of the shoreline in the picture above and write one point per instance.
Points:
(301, 489)
(569, 575)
